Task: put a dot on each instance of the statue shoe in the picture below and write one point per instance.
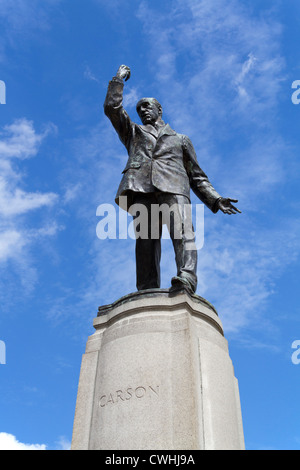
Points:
(179, 283)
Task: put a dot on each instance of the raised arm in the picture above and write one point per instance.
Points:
(113, 105)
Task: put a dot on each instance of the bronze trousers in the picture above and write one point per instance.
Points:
(150, 212)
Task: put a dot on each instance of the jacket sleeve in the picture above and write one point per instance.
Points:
(113, 108)
(199, 182)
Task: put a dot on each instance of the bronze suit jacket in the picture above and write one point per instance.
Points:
(164, 160)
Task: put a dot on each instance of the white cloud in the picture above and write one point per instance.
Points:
(19, 142)
(17, 202)
(11, 244)
(10, 442)
(247, 66)
(131, 98)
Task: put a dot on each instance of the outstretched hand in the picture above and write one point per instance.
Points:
(226, 206)
(124, 72)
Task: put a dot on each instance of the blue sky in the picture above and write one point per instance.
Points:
(223, 71)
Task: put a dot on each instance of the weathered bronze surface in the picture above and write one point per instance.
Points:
(162, 167)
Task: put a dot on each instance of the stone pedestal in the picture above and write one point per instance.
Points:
(156, 375)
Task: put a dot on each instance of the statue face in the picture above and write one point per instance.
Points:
(149, 112)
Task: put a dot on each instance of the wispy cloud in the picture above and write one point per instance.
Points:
(21, 20)
(63, 443)
(238, 269)
(220, 47)
(20, 15)
(20, 141)
(131, 98)
(247, 66)
(11, 244)
(89, 75)
(18, 202)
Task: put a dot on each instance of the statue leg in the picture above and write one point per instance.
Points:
(183, 238)
(147, 250)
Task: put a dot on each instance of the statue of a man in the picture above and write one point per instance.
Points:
(161, 168)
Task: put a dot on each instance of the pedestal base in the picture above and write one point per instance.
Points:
(157, 375)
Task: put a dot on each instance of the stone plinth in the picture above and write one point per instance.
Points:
(156, 374)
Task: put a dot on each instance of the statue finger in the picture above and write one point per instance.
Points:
(236, 209)
(127, 72)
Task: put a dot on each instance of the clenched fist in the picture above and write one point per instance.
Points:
(124, 72)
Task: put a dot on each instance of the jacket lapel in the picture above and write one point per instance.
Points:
(150, 129)
(166, 130)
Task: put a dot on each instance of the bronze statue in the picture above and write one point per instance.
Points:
(161, 168)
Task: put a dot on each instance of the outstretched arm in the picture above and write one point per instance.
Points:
(201, 185)
(199, 181)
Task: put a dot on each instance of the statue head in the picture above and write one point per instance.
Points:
(149, 110)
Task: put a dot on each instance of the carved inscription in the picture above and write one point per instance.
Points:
(130, 393)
